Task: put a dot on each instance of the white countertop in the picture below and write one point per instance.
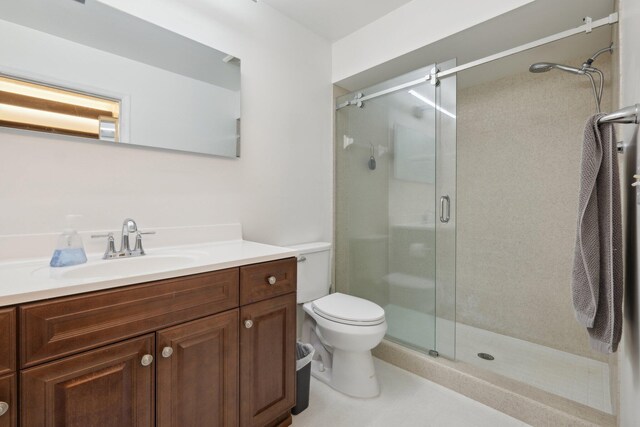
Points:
(33, 279)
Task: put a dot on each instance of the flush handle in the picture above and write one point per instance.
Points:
(272, 280)
(445, 209)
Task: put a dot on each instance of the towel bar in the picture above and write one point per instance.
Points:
(629, 114)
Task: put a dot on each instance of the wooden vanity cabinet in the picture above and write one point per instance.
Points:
(179, 352)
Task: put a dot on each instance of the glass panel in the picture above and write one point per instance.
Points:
(386, 207)
(446, 231)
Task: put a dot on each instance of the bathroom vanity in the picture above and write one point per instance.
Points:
(215, 347)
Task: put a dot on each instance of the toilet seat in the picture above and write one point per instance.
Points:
(348, 310)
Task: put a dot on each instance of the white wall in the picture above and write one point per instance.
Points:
(629, 353)
(412, 26)
(280, 189)
(160, 108)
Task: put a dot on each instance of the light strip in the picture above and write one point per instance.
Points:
(431, 103)
(12, 113)
(20, 87)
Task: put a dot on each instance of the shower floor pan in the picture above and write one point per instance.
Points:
(578, 378)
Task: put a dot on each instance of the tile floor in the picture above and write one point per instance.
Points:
(407, 400)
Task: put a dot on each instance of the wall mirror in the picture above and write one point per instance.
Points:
(85, 69)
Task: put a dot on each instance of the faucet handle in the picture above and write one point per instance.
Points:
(138, 247)
(111, 244)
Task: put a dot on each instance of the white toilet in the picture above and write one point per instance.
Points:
(342, 328)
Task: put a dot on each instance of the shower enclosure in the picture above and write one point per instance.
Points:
(456, 212)
(396, 203)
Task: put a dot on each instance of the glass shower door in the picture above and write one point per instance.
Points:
(388, 206)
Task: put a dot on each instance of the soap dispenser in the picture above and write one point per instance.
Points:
(69, 250)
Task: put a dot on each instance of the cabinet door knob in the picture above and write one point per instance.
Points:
(248, 323)
(272, 280)
(147, 360)
(4, 408)
(167, 352)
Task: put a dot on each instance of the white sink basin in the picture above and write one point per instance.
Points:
(120, 267)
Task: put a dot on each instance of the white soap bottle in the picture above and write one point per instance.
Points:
(69, 250)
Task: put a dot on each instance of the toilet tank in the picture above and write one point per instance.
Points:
(314, 270)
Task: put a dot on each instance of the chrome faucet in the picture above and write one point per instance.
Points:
(129, 226)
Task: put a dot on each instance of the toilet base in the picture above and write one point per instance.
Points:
(352, 373)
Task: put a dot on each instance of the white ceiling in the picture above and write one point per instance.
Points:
(334, 19)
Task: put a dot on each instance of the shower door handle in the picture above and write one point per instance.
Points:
(445, 209)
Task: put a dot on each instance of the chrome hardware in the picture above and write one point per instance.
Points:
(167, 352)
(433, 76)
(445, 201)
(637, 178)
(138, 246)
(147, 360)
(128, 226)
(434, 353)
(248, 323)
(272, 280)
(111, 244)
(4, 408)
(302, 258)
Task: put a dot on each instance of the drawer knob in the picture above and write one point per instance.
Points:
(272, 280)
(4, 408)
(248, 323)
(167, 352)
(147, 360)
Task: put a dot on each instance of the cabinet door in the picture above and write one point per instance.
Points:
(267, 360)
(8, 401)
(197, 373)
(109, 387)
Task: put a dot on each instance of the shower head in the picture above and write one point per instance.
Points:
(541, 67)
(586, 70)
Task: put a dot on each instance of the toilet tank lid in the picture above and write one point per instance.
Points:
(308, 248)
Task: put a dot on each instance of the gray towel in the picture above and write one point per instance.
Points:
(597, 268)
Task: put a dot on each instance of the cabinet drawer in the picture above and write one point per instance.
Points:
(8, 396)
(65, 326)
(7, 341)
(254, 280)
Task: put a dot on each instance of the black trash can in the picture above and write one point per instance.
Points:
(304, 354)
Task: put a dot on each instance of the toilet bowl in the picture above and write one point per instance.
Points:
(342, 328)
